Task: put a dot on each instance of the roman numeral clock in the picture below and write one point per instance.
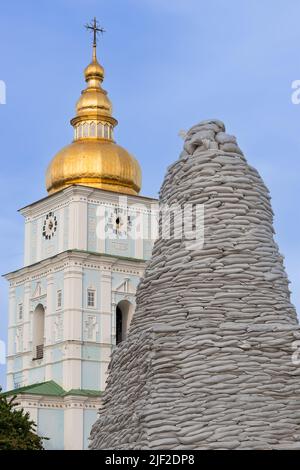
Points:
(49, 226)
(119, 224)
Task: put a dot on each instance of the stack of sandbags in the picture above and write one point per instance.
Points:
(207, 363)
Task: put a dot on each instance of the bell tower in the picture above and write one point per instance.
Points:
(86, 245)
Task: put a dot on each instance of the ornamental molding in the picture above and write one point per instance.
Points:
(74, 258)
(74, 193)
(43, 210)
(132, 207)
(67, 402)
(125, 287)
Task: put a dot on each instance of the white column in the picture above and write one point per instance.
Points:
(26, 316)
(50, 308)
(139, 229)
(72, 225)
(105, 307)
(72, 318)
(78, 224)
(82, 225)
(73, 425)
(9, 374)
(26, 332)
(72, 367)
(105, 360)
(100, 229)
(48, 326)
(72, 311)
(27, 242)
(11, 320)
(39, 226)
(61, 231)
(32, 410)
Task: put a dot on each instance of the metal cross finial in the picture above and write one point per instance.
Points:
(95, 27)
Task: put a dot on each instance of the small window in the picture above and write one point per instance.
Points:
(85, 130)
(106, 131)
(99, 129)
(92, 129)
(119, 325)
(20, 312)
(91, 298)
(59, 299)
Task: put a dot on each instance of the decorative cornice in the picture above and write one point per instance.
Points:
(73, 258)
(69, 401)
(76, 190)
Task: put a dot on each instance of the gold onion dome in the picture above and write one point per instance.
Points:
(93, 158)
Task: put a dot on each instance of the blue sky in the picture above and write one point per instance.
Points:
(169, 64)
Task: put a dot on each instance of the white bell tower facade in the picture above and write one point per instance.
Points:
(86, 245)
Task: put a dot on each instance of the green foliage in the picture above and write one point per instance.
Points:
(17, 431)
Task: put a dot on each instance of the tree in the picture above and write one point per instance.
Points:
(17, 430)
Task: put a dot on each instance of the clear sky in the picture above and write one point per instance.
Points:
(169, 64)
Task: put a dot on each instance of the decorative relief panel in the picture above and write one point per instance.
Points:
(38, 295)
(37, 291)
(91, 328)
(57, 331)
(19, 339)
(126, 286)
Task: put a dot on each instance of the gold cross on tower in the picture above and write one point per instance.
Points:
(95, 27)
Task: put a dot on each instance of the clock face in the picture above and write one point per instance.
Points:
(118, 223)
(49, 226)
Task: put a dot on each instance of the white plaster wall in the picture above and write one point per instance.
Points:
(73, 427)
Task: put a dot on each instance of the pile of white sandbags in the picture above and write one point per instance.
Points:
(207, 363)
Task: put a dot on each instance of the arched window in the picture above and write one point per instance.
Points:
(99, 129)
(79, 131)
(85, 129)
(106, 131)
(124, 312)
(38, 332)
(92, 129)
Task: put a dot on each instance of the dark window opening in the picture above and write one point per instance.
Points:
(39, 352)
(119, 325)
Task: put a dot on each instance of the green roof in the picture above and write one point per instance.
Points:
(75, 250)
(51, 388)
(83, 392)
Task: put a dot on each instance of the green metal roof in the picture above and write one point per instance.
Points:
(44, 388)
(51, 388)
(75, 250)
(83, 392)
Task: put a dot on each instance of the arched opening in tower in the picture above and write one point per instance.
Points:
(38, 332)
(124, 312)
(119, 325)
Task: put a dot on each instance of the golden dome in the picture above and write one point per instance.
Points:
(94, 163)
(93, 158)
(94, 69)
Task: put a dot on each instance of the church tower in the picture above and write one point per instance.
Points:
(86, 245)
